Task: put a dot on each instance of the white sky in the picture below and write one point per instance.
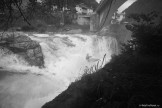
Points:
(125, 5)
(39, 0)
(98, 1)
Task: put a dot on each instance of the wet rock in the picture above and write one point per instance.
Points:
(5, 51)
(23, 46)
(118, 31)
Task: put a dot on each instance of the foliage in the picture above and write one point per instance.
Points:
(147, 35)
(94, 68)
(25, 11)
(27, 28)
(10, 11)
(39, 11)
(69, 3)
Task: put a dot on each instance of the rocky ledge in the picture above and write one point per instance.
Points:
(23, 46)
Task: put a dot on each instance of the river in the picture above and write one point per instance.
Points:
(66, 56)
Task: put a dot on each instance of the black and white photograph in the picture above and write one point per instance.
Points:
(80, 53)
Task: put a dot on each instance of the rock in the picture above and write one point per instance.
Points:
(91, 59)
(4, 51)
(23, 46)
(21, 38)
(30, 53)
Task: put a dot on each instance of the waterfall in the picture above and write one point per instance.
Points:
(65, 58)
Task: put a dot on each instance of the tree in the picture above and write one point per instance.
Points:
(147, 34)
(10, 10)
(69, 3)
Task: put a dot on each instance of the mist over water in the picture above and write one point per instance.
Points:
(65, 57)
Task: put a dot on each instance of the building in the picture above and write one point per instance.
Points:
(83, 14)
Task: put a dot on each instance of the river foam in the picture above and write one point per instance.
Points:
(65, 58)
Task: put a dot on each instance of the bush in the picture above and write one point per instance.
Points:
(41, 28)
(28, 28)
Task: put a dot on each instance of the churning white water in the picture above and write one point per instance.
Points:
(65, 57)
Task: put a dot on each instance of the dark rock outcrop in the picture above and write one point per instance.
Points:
(23, 46)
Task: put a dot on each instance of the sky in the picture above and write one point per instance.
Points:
(98, 1)
(125, 5)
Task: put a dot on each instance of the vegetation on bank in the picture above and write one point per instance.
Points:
(31, 15)
(130, 80)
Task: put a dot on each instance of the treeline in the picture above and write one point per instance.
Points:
(35, 14)
(70, 3)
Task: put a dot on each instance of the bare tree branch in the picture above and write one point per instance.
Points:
(21, 12)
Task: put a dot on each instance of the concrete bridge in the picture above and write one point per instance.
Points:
(107, 8)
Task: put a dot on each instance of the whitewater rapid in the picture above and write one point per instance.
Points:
(65, 55)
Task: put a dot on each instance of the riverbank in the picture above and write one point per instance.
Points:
(117, 85)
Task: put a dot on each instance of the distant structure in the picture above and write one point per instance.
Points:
(114, 11)
(83, 9)
(117, 18)
(83, 14)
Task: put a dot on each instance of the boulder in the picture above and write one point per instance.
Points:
(23, 46)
